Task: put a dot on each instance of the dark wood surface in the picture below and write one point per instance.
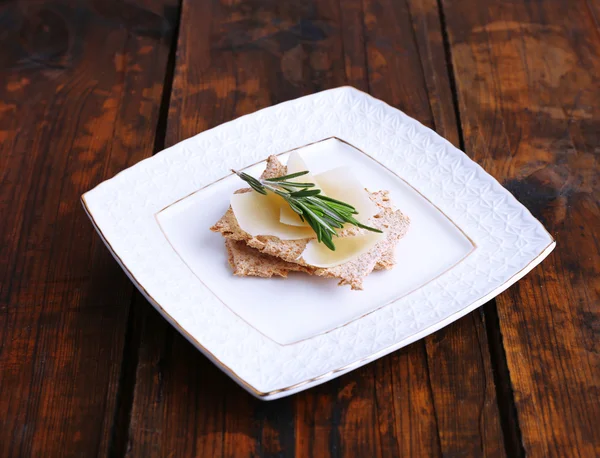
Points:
(90, 87)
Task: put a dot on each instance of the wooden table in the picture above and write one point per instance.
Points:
(88, 88)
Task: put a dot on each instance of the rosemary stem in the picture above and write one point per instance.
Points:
(323, 214)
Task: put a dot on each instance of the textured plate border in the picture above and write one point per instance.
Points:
(510, 240)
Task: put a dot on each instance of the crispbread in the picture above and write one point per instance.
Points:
(394, 224)
(268, 255)
(246, 261)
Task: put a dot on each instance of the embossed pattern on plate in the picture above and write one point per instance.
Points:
(509, 240)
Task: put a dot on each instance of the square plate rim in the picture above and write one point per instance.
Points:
(280, 391)
(389, 302)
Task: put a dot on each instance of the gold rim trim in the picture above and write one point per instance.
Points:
(165, 314)
(260, 394)
(470, 252)
(471, 241)
(347, 367)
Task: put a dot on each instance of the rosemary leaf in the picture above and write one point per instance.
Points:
(294, 185)
(335, 201)
(306, 193)
(322, 213)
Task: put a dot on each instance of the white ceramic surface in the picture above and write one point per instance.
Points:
(433, 245)
(469, 240)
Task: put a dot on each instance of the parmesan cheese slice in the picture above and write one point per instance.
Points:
(346, 249)
(258, 214)
(342, 184)
(339, 183)
(289, 217)
(295, 164)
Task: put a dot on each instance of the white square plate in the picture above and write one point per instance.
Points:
(469, 240)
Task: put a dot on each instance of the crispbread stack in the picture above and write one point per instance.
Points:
(265, 256)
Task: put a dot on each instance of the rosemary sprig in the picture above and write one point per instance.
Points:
(322, 213)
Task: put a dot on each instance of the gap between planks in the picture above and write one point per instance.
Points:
(127, 378)
(511, 430)
(127, 382)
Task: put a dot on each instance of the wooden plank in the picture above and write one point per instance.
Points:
(527, 79)
(459, 370)
(429, 38)
(233, 58)
(80, 87)
(237, 57)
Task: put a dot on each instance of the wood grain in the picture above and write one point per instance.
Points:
(233, 58)
(87, 372)
(237, 57)
(527, 80)
(80, 84)
(460, 378)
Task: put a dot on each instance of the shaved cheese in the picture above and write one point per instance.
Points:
(289, 217)
(258, 214)
(270, 215)
(346, 249)
(342, 184)
(295, 164)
